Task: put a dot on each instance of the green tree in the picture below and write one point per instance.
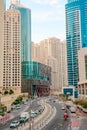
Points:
(5, 92)
(11, 91)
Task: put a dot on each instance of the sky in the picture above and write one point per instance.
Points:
(47, 18)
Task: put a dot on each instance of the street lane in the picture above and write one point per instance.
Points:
(58, 121)
(16, 113)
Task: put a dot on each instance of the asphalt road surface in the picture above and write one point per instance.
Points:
(58, 122)
(16, 113)
(83, 124)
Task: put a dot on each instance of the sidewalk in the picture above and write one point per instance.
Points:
(81, 113)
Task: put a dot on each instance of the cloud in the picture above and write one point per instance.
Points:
(49, 10)
(49, 2)
(48, 15)
(46, 1)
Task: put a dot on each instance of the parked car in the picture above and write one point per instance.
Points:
(24, 117)
(32, 115)
(68, 106)
(63, 108)
(37, 111)
(72, 110)
(24, 102)
(41, 109)
(14, 124)
(18, 107)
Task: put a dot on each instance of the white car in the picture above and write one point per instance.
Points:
(14, 124)
(33, 115)
(62, 108)
(72, 110)
(25, 103)
(18, 107)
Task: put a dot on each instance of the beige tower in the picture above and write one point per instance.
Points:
(12, 49)
(82, 67)
(2, 4)
(52, 52)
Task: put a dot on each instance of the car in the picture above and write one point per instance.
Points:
(24, 117)
(62, 108)
(25, 103)
(72, 110)
(68, 106)
(41, 109)
(37, 111)
(32, 115)
(18, 107)
(14, 124)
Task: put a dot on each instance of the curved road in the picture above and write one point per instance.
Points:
(58, 122)
(16, 113)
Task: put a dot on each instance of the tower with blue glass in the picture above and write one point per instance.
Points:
(76, 36)
(26, 46)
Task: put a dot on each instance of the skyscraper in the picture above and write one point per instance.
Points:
(2, 7)
(76, 35)
(52, 52)
(12, 49)
(25, 35)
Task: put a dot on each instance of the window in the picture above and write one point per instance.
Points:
(86, 66)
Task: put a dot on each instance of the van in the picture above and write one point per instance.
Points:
(24, 117)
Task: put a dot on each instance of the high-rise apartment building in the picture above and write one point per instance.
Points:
(26, 48)
(2, 7)
(76, 35)
(12, 49)
(52, 52)
(82, 66)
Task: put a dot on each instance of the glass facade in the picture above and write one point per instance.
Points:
(25, 31)
(36, 78)
(76, 35)
(26, 47)
(34, 70)
(68, 91)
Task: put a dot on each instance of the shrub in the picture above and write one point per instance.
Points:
(11, 91)
(5, 92)
(76, 102)
(17, 100)
(85, 105)
(2, 113)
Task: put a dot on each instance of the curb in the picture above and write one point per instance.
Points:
(49, 118)
(42, 120)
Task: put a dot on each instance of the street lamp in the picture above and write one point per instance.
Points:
(31, 96)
